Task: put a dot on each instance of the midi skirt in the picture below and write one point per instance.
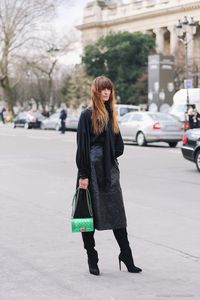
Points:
(107, 202)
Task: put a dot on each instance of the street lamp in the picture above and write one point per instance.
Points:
(184, 29)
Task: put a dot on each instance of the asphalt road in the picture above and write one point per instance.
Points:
(40, 259)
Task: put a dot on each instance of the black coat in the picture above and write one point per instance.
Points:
(112, 143)
(96, 160)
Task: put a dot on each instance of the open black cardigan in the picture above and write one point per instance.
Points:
(112, 143)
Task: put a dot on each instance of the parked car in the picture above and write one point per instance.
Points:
(71, 123)
(191, 146)
(123, 109)
(53, 122)
(28, 119)
(147, 127)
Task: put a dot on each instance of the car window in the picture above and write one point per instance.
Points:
(37, 115)
(161, 117)
(54, 116)
(125, 110)
(21, 115)
(136, 117)
(125, 118)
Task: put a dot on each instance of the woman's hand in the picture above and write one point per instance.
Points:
(83, 183)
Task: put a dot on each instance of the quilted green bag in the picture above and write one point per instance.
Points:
(82, 224)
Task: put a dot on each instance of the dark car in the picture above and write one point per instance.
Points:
(28, 120)
(191, 146)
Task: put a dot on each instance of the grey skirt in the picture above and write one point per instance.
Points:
(108, 207)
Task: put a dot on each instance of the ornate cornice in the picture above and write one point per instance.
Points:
(144, 15)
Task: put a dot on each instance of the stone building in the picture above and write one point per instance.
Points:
(157, 17)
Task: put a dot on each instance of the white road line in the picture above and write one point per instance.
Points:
(175, 151)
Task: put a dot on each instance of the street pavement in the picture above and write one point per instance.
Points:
(40, 259)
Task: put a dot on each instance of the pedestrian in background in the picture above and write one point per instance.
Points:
(2, 115)
(190, 114)
(196, 118)
(63, 117)
(99, 143)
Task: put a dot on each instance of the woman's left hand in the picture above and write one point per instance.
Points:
(83, 183)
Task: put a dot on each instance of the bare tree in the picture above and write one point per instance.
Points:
(45, 65)
(76, 88)
(21, 24)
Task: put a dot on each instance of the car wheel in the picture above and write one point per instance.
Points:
(173, 144)
(140, 139)
(197, 160)
(57, 127)
(26, 126)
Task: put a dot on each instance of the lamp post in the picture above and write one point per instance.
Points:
(185, 31)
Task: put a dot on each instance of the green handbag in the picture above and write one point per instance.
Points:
(82, 224)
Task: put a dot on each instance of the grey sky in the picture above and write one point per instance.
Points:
(67, 17)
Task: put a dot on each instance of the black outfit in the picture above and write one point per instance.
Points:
(63, 117)
(96, 160)
(197, 120)
(191, 121)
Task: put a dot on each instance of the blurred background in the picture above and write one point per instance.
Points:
(50, 52)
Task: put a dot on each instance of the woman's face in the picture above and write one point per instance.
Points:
(105, 94)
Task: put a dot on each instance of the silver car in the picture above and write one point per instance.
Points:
(71, 123)
(147, 127)
(53, 122)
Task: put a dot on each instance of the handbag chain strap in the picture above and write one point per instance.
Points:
(75, 202)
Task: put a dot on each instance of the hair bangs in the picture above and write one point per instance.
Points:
(103, 83)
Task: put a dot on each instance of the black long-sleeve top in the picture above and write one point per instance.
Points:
(112, 143)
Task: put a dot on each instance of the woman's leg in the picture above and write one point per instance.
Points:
(89, 244)
(122, 238)
(125, 250)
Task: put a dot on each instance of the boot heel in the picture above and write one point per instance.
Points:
(127, 259)
(120, 264)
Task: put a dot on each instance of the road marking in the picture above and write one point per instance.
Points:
(176, 250)
(175, 151)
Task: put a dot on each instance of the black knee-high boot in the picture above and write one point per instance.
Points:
(125, 255)
(89, 244)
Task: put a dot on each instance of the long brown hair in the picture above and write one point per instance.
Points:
(100, 115)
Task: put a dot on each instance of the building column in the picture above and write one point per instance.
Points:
(173, 39)
(190, 50)
(159, 32)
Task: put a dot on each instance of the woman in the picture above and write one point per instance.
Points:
(99, 143)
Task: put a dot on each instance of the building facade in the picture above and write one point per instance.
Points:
(156, 17)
